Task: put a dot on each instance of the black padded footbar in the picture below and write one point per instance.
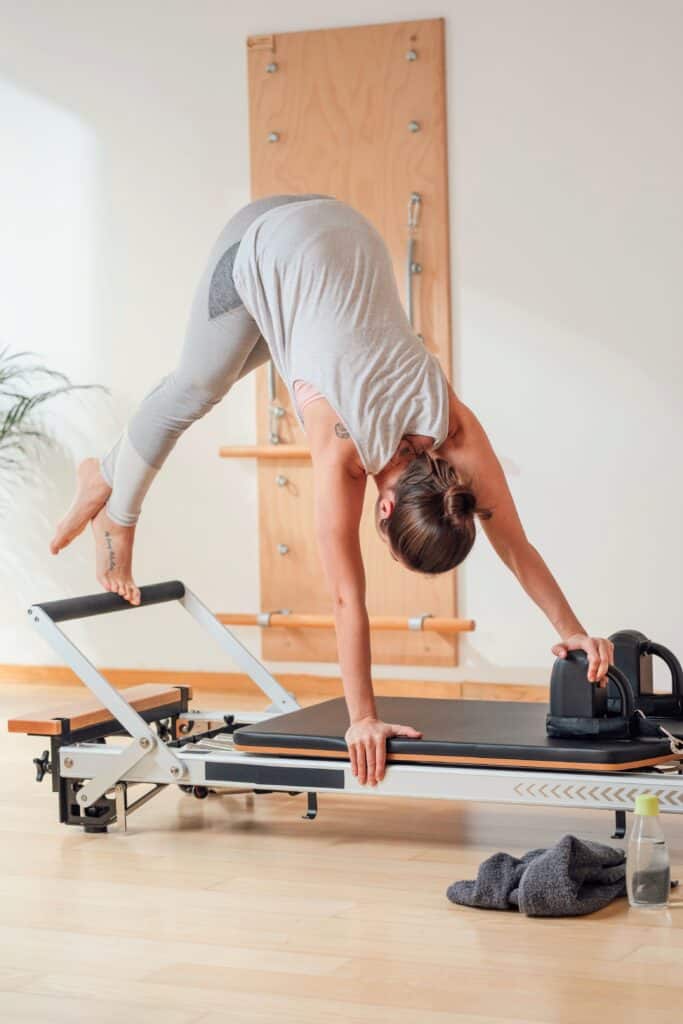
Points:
(101, 604)
(485, 730)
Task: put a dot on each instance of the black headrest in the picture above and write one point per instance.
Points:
(579, 708)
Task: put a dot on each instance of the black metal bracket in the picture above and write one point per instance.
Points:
(619, 825)
(164, 729)
(312, 807)
(186, 739)
(95, 818)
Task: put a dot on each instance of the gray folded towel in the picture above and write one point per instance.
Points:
(571, 878)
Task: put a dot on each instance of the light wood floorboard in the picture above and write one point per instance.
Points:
(235, 909)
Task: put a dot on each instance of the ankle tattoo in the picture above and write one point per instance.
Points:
(111, 556)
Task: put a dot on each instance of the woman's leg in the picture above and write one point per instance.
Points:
(212, 360)
(211, 363)
(222, 345)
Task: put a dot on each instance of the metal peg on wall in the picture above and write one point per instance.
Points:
(275, 410)
(412, 267)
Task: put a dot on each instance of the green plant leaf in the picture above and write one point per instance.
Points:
(27, 387)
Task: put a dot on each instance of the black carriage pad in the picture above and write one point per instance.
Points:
(465, 732)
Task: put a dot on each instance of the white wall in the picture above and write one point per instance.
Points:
(124, 149)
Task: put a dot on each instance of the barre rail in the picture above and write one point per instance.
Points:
(302, 620)
(265, 451)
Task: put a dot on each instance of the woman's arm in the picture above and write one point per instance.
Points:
(470, 452)
(338, 508)
(339, 493)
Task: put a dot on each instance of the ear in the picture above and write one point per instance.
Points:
(386, 507)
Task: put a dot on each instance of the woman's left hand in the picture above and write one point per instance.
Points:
(600, 654)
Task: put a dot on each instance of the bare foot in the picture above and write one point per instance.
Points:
(92, 491)
(114, 556)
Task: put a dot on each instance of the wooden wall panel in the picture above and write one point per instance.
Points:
(340, 102)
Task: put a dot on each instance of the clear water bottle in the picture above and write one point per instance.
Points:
(648, 875)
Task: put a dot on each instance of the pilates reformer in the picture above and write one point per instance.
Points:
(471, 750)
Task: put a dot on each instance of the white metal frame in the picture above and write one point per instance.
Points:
(147, 759)
(604, 791)
(268, 684)
(146, 751)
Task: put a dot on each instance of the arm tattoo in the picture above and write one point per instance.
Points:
(341, 431)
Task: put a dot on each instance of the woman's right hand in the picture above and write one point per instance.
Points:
(367, 743)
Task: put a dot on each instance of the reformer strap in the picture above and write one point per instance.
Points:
(646, 727)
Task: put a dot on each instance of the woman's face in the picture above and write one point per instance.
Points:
(387, 481)
(386, 498)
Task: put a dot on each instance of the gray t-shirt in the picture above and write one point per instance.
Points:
(317, 278)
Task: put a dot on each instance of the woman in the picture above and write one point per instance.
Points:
(307, 281)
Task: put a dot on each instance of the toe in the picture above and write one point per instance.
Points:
(57, 542)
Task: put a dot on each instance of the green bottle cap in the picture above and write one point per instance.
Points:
(646, 805)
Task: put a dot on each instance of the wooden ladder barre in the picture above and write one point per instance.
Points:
(303, 620)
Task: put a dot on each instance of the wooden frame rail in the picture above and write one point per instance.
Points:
(303, 620)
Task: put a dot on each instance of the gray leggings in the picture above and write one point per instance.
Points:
(222, 344)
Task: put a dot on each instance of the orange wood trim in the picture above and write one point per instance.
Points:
(60, 675)
(497, 762)
(305, 620)
(265, 451)
(310, 688)
(90, 712)
(525, 694)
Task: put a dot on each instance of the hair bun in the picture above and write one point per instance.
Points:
(458, 502)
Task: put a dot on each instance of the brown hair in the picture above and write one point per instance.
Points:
(432, 527)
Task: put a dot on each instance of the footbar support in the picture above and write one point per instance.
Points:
(145, 745)
(123, 808)
(136, 751)
(142, 736)
(282, 701)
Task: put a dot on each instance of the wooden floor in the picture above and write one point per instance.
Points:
(234, 910)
